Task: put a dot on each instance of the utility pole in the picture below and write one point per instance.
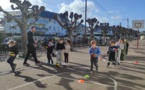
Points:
(127, 21)
(85, 17)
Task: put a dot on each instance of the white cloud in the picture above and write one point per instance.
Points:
(78, 6)
(116, 17)
(6, 5)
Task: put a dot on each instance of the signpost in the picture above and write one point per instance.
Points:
(138, 24)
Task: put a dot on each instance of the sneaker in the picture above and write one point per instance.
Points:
(96, 68)
(38, 62)
(108, 64)
(26, 64)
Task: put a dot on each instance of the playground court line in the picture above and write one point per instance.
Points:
(53, 75)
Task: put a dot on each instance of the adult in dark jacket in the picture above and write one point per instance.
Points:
(31, 46)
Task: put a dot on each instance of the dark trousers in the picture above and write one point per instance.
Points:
(94, 61)
(66, 57)
(32, 51)
(122, 55)
(126, 51)
(10, 61)
(49, 58)
(111, 58)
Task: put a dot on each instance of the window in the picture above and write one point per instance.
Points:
(49, 20)
(54, 28)
(49, 27)
(58, 28)
(54, 21)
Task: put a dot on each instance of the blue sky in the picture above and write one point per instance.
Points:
(119, 9)
(132, 9)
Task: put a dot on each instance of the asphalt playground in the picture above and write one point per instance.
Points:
(130, 75)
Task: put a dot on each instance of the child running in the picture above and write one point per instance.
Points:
(50, 48)
(111, 53)
(94, 54)
(12, 55)
(67, 52)
(60, 49)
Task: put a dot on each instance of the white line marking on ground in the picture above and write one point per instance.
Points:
(87, 82)
(36, 81)
(114, 81)
(53, 75)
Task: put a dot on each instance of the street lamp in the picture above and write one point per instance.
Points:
(137, 37)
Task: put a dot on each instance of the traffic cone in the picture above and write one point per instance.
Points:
(81, 81)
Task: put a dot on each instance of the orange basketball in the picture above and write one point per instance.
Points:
(93, 55)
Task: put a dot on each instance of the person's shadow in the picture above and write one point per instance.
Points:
(30, 79)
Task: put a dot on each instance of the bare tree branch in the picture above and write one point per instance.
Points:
(55, 17)
(18, 3)
(77, 25)
(9, 15)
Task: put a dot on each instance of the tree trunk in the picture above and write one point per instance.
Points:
(92, 35)
(24, 39)
(71, 38)
(104, 38)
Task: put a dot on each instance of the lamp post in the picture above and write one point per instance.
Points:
(137, 37)
(85, 17)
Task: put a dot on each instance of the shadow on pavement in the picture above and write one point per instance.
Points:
(30, 79)
(124, 84)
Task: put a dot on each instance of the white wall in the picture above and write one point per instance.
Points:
(51, 24)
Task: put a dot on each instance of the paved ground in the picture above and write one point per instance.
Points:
(127, 76)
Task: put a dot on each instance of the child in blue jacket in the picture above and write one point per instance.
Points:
(94, 54)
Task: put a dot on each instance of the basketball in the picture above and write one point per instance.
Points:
(57, 65)
(12, 54)
(93, 55)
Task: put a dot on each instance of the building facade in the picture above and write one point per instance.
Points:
(45, 25)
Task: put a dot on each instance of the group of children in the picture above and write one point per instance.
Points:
(116, 53)
(63, 50)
